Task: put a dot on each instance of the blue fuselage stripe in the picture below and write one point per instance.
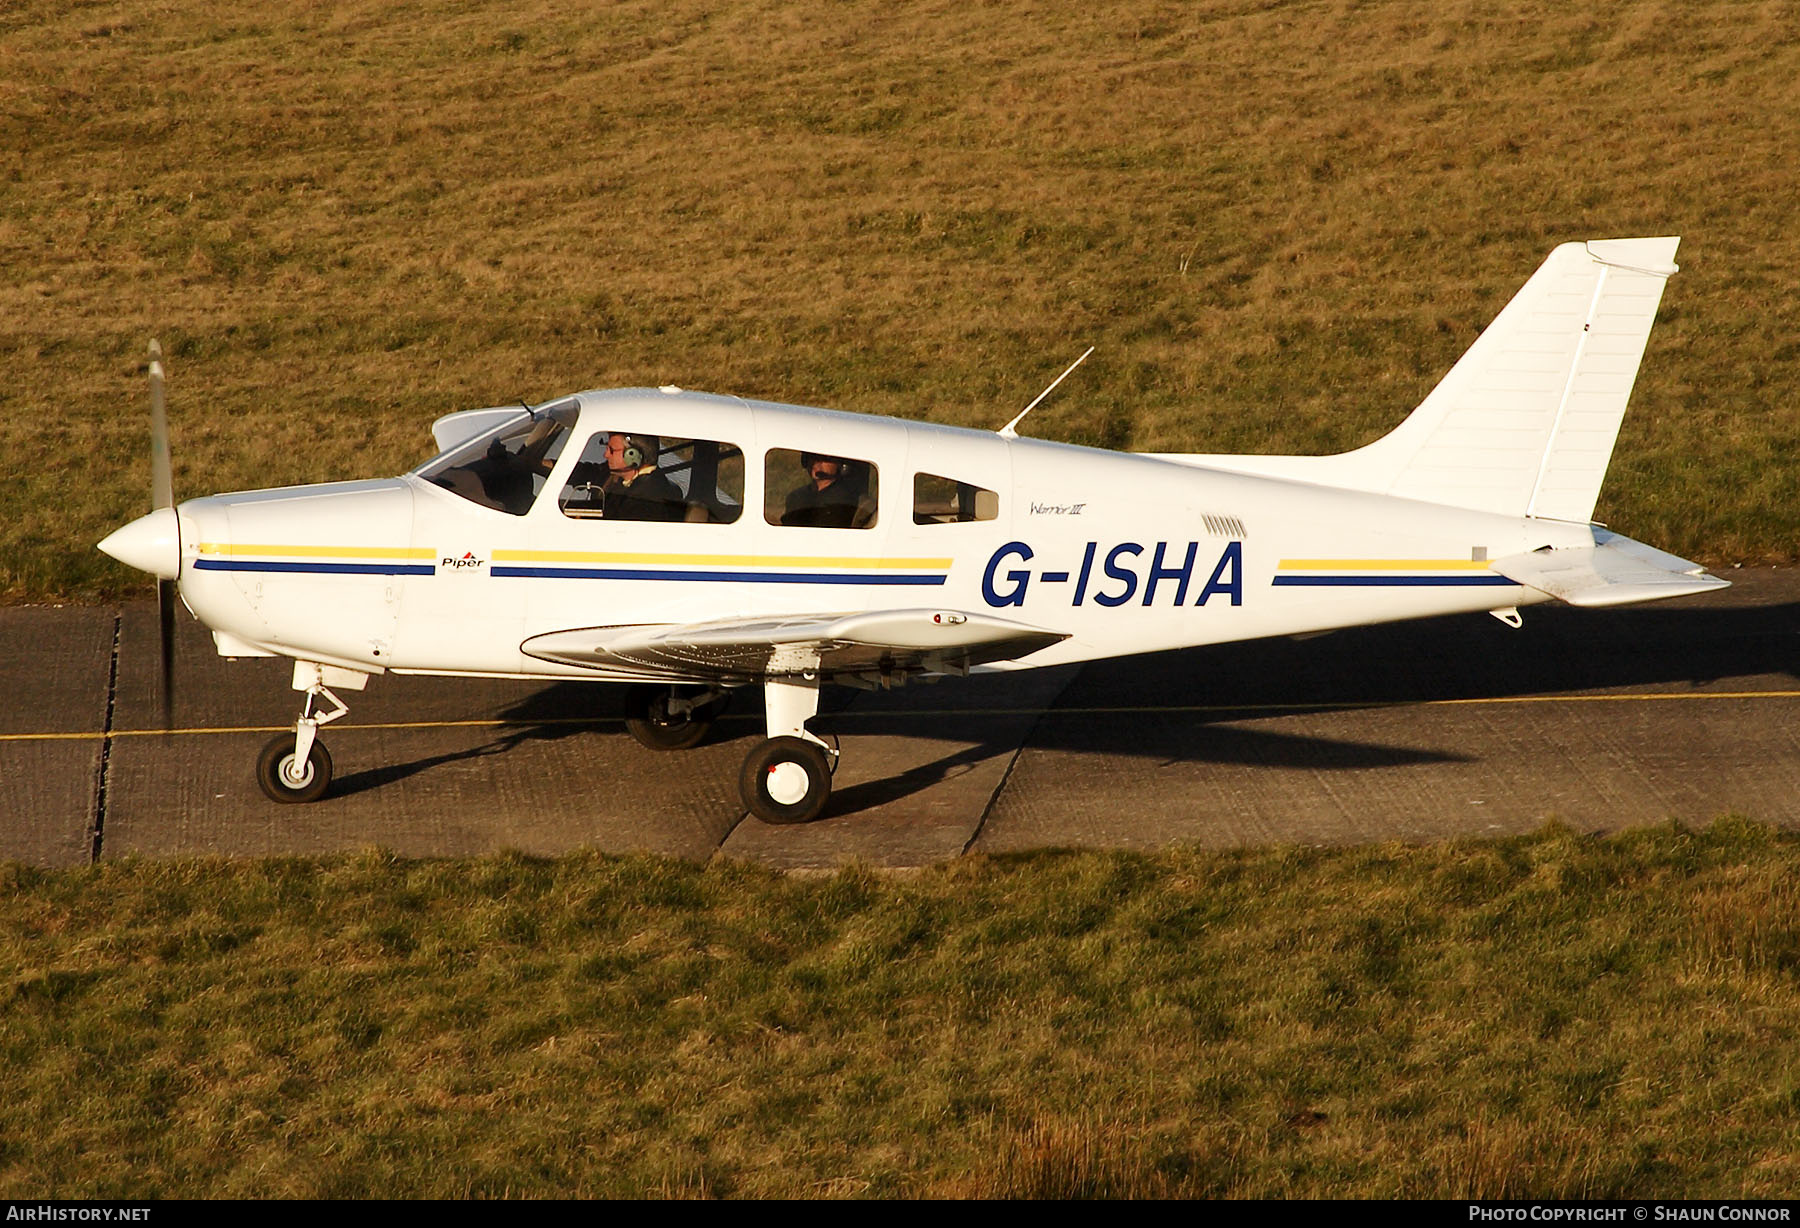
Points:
(340, 569)
(1391, 581)
(741, 577)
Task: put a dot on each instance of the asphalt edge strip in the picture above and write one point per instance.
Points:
(97, 829)
(1024, 741)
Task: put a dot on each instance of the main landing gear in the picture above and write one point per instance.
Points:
(296, 767)
(786, 779)
(671, 717)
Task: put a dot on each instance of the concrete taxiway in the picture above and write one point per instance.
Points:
(1682, 711)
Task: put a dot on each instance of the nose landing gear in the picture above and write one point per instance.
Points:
(285, 777)
(296, 767)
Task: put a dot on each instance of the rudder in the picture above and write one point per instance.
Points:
(1525, 422)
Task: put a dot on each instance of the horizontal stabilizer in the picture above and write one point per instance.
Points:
(1613, 571)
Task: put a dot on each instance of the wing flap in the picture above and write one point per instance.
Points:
(942, 641)
(1614, 571)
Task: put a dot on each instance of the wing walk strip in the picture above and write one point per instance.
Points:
(852, 714)
(1387, 573)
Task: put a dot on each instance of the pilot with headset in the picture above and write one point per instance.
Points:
(635, 488)
(632, 488)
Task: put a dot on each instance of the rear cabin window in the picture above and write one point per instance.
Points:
(818, 490)
(941, 500)
(631, 475)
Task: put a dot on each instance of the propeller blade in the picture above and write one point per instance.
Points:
(162, 486)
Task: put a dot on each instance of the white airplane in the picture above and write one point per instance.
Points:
(692, 544)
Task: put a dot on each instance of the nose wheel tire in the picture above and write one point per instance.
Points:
(283, 780)
(786, 780)
(648, 719)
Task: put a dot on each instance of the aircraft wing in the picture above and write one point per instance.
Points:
(869, 645)
(1614, 571)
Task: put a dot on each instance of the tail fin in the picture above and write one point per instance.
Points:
(1524, 423)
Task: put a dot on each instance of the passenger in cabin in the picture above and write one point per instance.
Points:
(836, 498)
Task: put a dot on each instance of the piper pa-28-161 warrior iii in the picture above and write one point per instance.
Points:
(690, 544)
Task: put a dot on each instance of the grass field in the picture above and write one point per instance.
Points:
(1549, 1016)
(1279, 223)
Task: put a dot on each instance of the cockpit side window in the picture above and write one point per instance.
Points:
(940, 500)
(632, 475)
(819, 490)
(507, 467)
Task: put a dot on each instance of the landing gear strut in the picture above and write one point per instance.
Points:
(296, 767)
(788, 778)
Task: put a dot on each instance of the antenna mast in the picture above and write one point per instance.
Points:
(1010, 430)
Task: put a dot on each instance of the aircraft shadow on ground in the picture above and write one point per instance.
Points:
(392, 773)
(1200, 705)
(1197, 705)
(1170, 736)
(871, 793)
(557, 711)
(1558, 651)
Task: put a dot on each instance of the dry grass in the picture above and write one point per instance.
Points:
(1551, 1016)
(1280, 224)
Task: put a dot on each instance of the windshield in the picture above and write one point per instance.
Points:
(506, 467)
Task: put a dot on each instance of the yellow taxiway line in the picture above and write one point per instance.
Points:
(1110, 710)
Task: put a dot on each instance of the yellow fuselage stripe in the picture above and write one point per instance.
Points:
(712, 560)
(269, 550)
(242, 549)
(1384, 565)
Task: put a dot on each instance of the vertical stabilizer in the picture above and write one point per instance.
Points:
(1524, 424)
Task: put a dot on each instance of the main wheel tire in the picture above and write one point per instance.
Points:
(786, 780)
(648, 719)
(275, 771)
